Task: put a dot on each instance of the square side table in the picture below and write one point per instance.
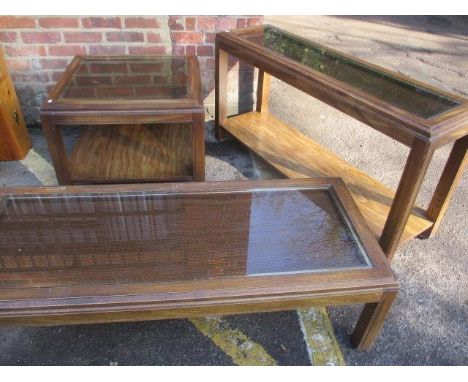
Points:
(139, 119)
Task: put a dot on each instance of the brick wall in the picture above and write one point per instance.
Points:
(38, 48)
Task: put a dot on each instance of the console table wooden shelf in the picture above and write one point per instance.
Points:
(415, 114)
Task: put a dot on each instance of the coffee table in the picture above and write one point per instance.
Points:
(88, 254)
(415, 114)
(136, 119)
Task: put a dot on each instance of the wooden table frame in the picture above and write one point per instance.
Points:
(374, 285)
(57, 113)
(423, 136)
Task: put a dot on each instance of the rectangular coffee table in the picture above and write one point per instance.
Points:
(89, 254)
(136, 118)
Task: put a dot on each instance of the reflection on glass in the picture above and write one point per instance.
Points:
(397, 92)
(118, 238)
(155, 78)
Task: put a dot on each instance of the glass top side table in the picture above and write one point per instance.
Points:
(415, 114)
(140, 119)
(138, 252)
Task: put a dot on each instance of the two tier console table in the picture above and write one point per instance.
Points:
(415, 114)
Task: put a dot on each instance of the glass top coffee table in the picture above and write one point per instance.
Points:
(137, 252)
(415, 114)
(139, 119)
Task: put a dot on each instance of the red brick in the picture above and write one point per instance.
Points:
(159, 49)
(146, 67)
(66, 50)
(153, 91)
(187, 37)
(93, 80)
(53, 63)
(224, 23)
(109, 68)
(205, 50)
(16, 22)
(206, 23)
(101, 22)
(58, 22)
(133, 80)
(190, 23)
(8, 36)
(178, 50)
(79, 92)
(18, 64)
(40, 37)
(190, 50)
(142, 22)
(153, 37)
(106, 49)
(125, 36)
(176, 23)
(82, 36)
(210, 38)
(241, 23)
(23, 50)
(253, 21)
(160, 80)
(30, 77)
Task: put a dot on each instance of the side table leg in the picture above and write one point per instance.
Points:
(371, 320)
(447, 185)
(57, 151)
(263, 91)
(221, 62)
(198, 146)
(410, 182)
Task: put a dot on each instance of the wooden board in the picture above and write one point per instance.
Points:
(297, 156)
(111, 153)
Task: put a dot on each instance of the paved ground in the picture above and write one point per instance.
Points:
(428, 323)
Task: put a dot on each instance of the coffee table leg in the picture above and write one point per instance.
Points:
(415, 169)
(371, 320)
(448, 182)
(198, 147)
(57, 151)
(220, 91)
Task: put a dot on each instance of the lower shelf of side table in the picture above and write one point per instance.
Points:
(132, 153)
(297, 156)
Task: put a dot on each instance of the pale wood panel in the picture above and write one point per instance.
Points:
(133, 152)
(298, 156)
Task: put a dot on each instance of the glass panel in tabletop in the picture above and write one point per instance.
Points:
(162, 77)
(80, 239)
(392, 89)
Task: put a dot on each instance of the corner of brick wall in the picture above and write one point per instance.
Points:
(39, 48)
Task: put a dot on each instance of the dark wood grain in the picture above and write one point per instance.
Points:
(191, 296)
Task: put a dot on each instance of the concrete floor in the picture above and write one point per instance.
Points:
(427, 324)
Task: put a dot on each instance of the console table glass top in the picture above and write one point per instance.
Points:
(163, 77)
(405, 95)
(89, 238)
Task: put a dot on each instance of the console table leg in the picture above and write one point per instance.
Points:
(263, 91)
(448, 182)
(221, 62)
(410, 182)
(371, 320)
(57, 151)
(198, 147)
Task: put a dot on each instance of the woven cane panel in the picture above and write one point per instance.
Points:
(54, 240)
